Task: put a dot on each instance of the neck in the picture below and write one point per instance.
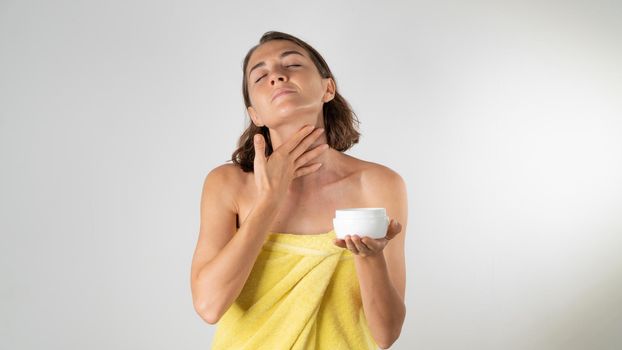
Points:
(316, 180)
(330, 159)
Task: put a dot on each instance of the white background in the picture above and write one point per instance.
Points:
(504, 118)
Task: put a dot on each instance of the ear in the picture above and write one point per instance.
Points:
(254, 117)
(330, 90)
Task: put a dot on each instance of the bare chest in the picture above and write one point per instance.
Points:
(311, 212)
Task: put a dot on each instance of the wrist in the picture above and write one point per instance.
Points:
(268, 199)
(375, 259)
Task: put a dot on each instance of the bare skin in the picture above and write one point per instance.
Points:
(341, 182)
(287, 114)
(310, 211)
(312, 198)
(273, 200)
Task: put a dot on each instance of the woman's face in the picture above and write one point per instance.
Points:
(281, 64)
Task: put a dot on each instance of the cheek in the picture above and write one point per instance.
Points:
(315, 84)
(254, 94)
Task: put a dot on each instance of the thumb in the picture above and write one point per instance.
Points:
(394, 228)
(260, 148)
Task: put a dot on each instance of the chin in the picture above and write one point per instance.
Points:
(301, 113)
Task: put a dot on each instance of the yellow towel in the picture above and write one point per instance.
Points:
(302, 293)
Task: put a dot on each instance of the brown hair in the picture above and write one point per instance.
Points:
(340, 122)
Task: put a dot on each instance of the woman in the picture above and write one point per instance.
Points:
(267, 266)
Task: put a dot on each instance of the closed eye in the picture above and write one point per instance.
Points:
(291, 65)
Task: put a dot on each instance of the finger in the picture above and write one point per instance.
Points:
(351, 245)
(309, 155)
(303, 146)
(372, 244)
(360, 246)
(390, 230)
(292, 142)
(307, 170)
(340, 243)
(260, 149)
(260, 146)
(394, 228)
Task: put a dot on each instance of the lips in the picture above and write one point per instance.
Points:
(280, 92)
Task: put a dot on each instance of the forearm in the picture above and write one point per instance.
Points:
(384, 309)
(221, 280)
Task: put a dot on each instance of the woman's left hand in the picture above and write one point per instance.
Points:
(367, 246)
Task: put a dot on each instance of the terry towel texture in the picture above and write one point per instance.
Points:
(302, 293)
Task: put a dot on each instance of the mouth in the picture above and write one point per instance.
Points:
(282, 93)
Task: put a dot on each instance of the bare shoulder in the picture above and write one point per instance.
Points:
(226, 179)
(381, 178)
(385, 187)
(227, 169)
(380, 185)
(224, 175)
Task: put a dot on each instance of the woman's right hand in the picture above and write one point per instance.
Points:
(274, 174)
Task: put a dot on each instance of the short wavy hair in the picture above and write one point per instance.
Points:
(340, 121)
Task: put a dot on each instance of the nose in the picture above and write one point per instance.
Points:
(277, 75)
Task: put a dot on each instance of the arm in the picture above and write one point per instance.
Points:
(223, 261)
(384, 307)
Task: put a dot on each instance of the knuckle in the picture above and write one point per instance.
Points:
(304, 158)
(292, 161)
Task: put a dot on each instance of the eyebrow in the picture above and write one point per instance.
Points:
(283, 54)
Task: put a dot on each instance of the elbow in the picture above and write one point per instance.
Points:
(208, 305)
(206, 313)
(387, 342)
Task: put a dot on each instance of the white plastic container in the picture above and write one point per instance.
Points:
(370, 222)
(357, 213)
